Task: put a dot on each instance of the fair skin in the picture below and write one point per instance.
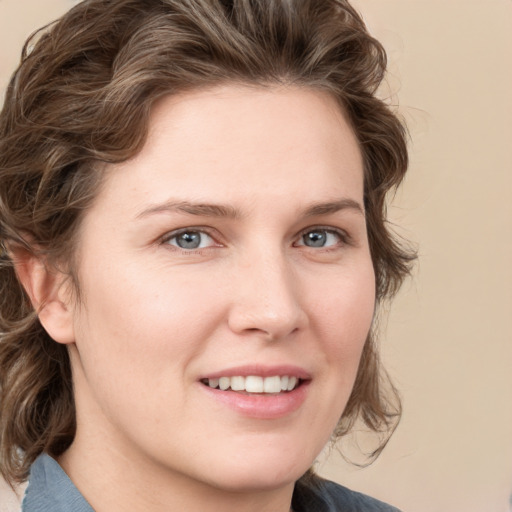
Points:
(233, 245)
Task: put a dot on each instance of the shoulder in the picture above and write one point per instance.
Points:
(352, 500)
(319, 495)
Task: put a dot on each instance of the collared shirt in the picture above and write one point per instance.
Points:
(51, 490)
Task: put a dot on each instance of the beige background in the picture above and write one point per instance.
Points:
(449, 337)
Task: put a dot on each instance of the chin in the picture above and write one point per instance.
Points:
(261, 476)
(254, 481)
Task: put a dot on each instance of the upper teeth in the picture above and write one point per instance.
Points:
(255, 383)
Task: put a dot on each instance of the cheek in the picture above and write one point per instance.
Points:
(137, 328)
(345, 305)
(343, 316)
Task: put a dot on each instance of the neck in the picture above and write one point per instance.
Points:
(113, 482)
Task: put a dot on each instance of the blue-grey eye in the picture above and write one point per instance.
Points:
(190, 240)
(320, 238)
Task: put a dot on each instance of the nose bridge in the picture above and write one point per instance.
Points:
(267, 298)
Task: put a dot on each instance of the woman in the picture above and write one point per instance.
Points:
(193, 202)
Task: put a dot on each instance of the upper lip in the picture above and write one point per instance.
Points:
(260, 370)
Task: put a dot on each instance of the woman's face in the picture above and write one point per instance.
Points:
(232, 252)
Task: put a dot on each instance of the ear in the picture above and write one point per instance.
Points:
(49, 293)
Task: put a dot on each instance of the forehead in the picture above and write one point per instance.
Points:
(234, 142)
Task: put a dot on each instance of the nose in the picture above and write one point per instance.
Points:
(266, 299)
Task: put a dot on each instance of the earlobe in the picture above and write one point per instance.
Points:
(48, 292)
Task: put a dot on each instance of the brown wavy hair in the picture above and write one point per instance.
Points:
(82, 96)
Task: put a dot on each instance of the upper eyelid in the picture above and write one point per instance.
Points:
(330, 229)
(195, 229)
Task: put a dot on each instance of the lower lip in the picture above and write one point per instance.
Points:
(261, 406)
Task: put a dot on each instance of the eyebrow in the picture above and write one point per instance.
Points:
(190, 208)
(333, 207)
(228, 211)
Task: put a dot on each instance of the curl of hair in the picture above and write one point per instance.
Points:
(82, 97)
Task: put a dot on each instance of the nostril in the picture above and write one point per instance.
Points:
(271, 323)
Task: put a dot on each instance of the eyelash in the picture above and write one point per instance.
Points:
(194, 229)
(343, 236)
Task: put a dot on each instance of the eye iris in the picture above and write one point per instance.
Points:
(315, 238)
(189, 240)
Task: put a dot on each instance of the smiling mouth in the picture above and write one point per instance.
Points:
(255, 384)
